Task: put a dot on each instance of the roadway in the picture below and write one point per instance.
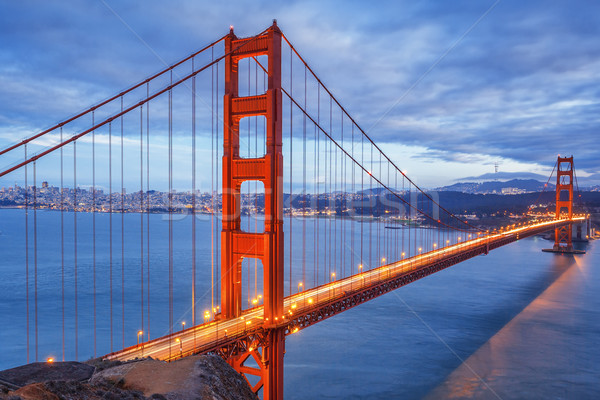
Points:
(211, 335)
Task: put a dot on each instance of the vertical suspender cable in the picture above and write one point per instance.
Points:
(396, 224)
(218, 247)
(212, 185)
(379, 254)
(142, 218)
(352, 209)
(62, 245)
(194, 197)
(410, 220)
(304, 187)
(388, 247)
(362, 201)
(170, 211)
(148, 212)
(26, 255)
(343, 202)
(75, 247)
(94, 226)
(329, 194)
(326, 265)
(334, 196)
(291, 165)
(316, 216)
(371, 195)
(404, 217)
(378, 211)
(35, 263)
(317, 179)
(122, 234)
(110, 232)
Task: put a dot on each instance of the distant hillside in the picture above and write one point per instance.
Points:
(513, 186)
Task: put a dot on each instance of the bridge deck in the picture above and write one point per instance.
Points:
(316, 304)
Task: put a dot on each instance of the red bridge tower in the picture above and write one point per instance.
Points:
(563, 235)
(268, 245)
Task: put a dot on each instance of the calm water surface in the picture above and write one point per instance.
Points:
(517, 323)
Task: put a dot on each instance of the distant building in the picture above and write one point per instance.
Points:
(45, 184)
(512, 190)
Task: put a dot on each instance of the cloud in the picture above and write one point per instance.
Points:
(521, 86)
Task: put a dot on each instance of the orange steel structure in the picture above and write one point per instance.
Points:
(267, 350)
(564, 207)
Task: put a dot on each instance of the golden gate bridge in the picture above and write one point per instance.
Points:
(274, 127)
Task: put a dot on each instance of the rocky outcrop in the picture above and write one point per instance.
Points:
(43, 372)
(192, 378)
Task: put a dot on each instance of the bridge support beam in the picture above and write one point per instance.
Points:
(268, 245)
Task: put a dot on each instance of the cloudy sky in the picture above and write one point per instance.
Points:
(446, 88)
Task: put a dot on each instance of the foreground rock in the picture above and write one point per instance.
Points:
(43, 372)
(197, 377)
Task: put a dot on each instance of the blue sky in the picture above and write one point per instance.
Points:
(446, 88)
